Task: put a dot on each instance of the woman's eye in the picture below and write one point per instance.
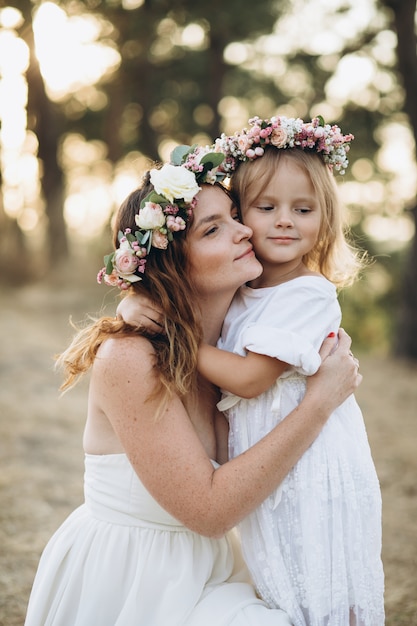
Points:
(236, 217)
(211, 230)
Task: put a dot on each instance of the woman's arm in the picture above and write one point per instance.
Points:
(170, 459)
(245, 376)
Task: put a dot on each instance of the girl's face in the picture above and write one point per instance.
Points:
(285, 219)
(220, 255)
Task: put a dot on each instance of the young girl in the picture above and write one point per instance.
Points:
(313, 547)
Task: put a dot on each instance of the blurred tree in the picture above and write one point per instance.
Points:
(173, 73)
(168, 86)
(14, 258)
(404, 24)
(47, 122)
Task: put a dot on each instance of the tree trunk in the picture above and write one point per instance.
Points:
(405, 344)
(48, 127)
(15, 265)
(404, 12)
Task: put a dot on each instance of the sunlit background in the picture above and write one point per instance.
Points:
(72, 60)
(76, 55)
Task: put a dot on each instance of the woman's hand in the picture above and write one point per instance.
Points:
(138, 310)
(338, 376)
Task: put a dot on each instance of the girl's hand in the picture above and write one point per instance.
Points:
(138, 310)
(338, 376)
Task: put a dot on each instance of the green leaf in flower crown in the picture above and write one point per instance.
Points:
(179, 154)
(321, 120)
(142, 236)
(153, 197)
(212, 160)
(108, 262)
(130, 237)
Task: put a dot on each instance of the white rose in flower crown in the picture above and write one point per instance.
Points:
(174, 182)
(150, 216)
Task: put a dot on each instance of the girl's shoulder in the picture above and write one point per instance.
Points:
(312, 282)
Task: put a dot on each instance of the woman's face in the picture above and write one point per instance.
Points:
(220, 254)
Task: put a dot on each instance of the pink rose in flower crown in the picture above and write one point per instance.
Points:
(125, 260)
(244, 143)
(159, 240)
(150, 216)
(112, 280)
(278, 137)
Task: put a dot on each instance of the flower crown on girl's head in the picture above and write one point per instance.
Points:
(285, 132)
(163, 212)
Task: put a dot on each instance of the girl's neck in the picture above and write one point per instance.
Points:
(278, 274)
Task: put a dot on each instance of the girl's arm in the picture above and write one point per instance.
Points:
(245, 376)
(168, 456)
(139, 310)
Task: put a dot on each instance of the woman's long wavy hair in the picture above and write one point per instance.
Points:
(334, 255)
(166, 282)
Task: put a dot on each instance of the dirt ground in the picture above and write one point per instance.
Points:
(42, 459)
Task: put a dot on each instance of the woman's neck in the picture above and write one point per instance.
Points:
(213, 311)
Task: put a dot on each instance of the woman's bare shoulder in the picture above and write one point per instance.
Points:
(129, 351)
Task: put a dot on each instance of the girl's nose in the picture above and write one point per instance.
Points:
(284, 219)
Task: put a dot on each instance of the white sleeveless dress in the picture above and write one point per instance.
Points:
(314, 547)
(122, 560)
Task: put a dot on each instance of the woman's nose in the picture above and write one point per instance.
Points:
(243, 232)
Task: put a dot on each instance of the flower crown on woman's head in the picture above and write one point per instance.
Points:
(285, 132)
(163, 212)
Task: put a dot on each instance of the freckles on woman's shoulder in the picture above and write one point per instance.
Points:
(123, 351)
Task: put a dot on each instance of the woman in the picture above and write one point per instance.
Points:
(150, 546)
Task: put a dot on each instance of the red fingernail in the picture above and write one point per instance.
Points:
(332, 334)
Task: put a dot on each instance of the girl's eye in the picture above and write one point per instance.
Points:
(303, 209)
(265, 208)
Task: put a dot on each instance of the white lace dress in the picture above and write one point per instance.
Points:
(122, 560)
(314, 546)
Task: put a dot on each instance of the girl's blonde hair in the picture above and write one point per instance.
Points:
(334, 255)
(167, 284)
